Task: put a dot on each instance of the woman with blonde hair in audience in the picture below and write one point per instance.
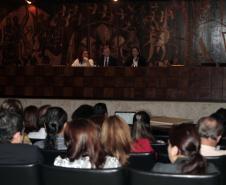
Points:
(83, 146)
(116, 141)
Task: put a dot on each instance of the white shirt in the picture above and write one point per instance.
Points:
(206, 151)
(135, 62)
(83, 162)
(41, 134)
(76, 63)
(111, 162)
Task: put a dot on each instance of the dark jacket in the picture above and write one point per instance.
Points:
(175, 168)
(112, 61)
(141, 61)
(19, 154)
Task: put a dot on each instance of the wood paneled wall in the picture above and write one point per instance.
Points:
(173, 83)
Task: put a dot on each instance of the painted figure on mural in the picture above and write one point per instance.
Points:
(159, 35)
(55, 36)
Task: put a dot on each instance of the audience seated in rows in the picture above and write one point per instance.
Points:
(141, 133)
(55, 122)
(41, 133)
(184, 152)
(11, 151)
(211, 131)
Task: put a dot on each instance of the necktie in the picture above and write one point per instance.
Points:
(106, 62)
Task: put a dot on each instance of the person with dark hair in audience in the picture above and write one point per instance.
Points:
(210, 131)
(107, 60)
(30, 122)
(100, 109)
(83, 146)
(184, 152)
(11, 149)
(41, 133)
(220, 115)
(83, 111)
(116, 141)
(135, 60)
(141, 133)
(55, 122)
(12, 105)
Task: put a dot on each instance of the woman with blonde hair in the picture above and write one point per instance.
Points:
(116, 140)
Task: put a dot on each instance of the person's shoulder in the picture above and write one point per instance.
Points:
(164, 168)
(211, 168)
(111, 162)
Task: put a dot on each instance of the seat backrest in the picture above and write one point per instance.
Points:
(160, 147)
(52, 175)
(141, 161)
(149, 178)
(19, 174)
(50, 155)
(220, 163)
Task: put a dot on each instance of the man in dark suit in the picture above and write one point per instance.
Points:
(11, 151)
(106, 59)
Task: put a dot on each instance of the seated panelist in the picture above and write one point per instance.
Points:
(135, 60)
(83, 60)
(107, 60)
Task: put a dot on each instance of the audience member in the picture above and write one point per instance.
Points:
(30, 122)
(83, 145)
(83, 60)
(83, 111)
(135, 60)
(100, 109)
(210, 131)
(116, 141)
(220, 115)
(106, 60)
(41, 133)
(98, 120)
(141, 133)
(183, 152)
(11, 149)
(55, 121)
(12, 105)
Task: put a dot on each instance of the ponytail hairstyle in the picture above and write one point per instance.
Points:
(187, 140)
(141, 127)
(55, 118)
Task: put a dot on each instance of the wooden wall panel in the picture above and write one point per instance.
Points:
(173, 83)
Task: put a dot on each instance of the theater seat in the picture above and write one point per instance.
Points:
(160, 147)
(220, 163)
(141, 161)
(19, 175)
(149, 178)
(50, 155)
(52, 175)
